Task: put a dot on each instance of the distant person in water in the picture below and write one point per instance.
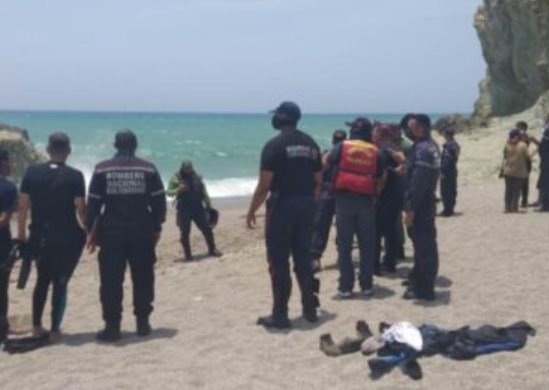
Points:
(193, 205)
(514, 169)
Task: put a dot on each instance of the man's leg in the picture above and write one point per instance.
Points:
(324, 216)
(40, 294)
(113, 255)
(382, 227)
(142, 259)
(345, 223)
(445, 194)
(508, 194)
(301, 242)
(366, 233)
(278, 237)
(202, 223)
(426, 255)
(184, 223)
(4, 287)
(392, 241)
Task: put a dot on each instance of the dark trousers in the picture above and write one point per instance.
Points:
(387, 218)
(424, 239)
(4, 287)
(324, 217)
(524, 192)
(184, 221)
(360, 221)
(288, 232)
(448, 192)
(55, 265)
(513, 187)
(119, 248)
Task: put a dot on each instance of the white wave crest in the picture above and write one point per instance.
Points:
(231, 187)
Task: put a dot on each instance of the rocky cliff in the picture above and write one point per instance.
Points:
(514, 35)
(22, 151)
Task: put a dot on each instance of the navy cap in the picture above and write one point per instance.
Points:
(289, 109)
(59, 141)
(360, 123)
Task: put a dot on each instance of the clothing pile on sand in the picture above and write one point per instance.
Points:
(402, 344)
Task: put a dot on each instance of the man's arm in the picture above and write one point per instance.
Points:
(80, 205)
(158, 201)
(173, 186)
(95, 201)
(24, 206)
(260, 194)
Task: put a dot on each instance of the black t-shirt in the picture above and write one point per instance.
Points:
(8, 202)
(53, 188)
(294, 158)
(393, 191)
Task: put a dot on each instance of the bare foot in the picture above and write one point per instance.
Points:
(38, 331)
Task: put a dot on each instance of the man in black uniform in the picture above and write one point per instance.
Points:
(325, 206)
(291, 172)
(8, 202)
(420, 208)
(449, 173)
(55, 194)
(543, 182)
(131, 194)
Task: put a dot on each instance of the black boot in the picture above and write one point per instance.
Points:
(110, 334)
(143, 327)
(4, 329)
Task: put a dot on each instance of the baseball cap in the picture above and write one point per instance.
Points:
(360, 123)
(289, 109)
(59, 141)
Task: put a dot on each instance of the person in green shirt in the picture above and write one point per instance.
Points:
(193, 204)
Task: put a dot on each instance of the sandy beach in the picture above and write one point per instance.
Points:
(494, 270)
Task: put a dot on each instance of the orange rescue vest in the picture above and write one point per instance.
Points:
(357, 168)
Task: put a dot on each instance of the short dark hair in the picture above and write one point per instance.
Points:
(522, 125)
(339, 136)
(125, 140)
(4, 155)
(59, 143)
(405, 119)
(423, 119)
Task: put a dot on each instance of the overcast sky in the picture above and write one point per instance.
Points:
(330, 56)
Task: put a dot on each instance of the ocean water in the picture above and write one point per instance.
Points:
(225, 148)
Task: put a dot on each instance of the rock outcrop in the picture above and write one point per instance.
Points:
(514, 35)
(22, 151)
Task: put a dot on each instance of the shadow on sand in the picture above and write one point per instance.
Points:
(128, 338)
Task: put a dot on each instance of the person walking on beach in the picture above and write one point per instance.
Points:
(325, 206)
(8, 204)
(523, 200)
(423, 170)
(449, 172)
(514, 169)
(127, 204)
(193, 204)
(55, 195)
(291, 172)
(358, 180)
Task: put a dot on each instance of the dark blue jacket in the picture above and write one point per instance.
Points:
(450, 157)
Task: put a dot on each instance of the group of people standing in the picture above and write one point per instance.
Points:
(123, 216)
(517, 167)
(366, 181)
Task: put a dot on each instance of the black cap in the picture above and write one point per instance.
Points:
(125, 140)
(290, 109)
(59, 142)
(360, 123)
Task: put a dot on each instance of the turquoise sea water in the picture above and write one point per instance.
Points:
(225, 148)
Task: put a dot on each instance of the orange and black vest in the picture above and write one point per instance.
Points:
(357, 168)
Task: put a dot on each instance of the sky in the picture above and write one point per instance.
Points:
(343, 56)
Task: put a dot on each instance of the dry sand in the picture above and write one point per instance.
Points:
(494, 270)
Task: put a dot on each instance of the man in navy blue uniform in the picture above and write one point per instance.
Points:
(449, 173)
(543, 182)
(128, 202)
(325, 206)
(291, 172)
(420, 208)
(8, 201)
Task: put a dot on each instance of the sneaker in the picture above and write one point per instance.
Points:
(413, 370)
(110, 334)
(378, 368)
(344, 294)
(143, 328)
(274, 323)
(367, 292)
